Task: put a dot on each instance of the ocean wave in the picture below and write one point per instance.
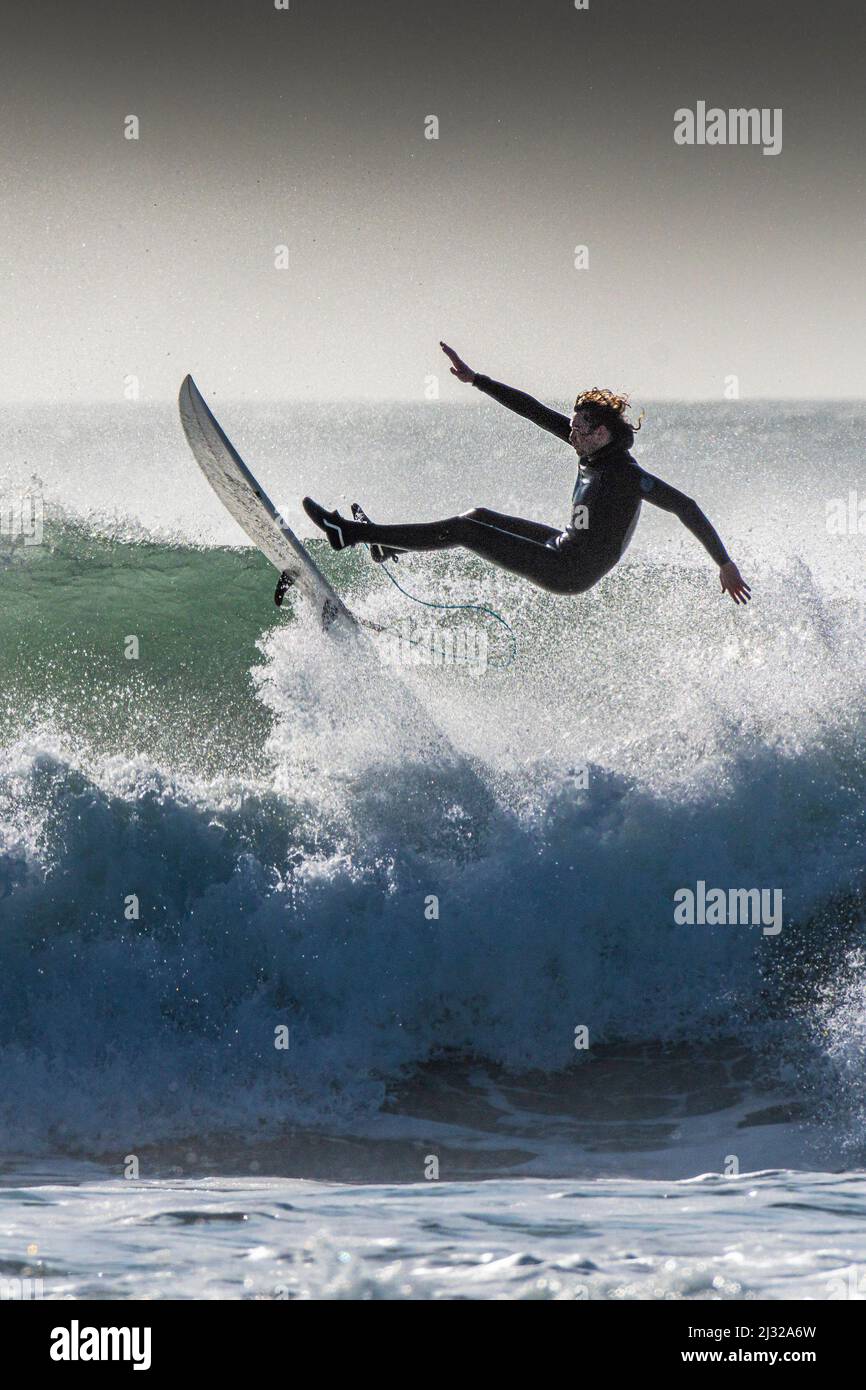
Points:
(396, 867)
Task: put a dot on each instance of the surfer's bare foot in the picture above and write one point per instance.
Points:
(339, 531)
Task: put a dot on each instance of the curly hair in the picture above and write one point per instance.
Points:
(603, 407)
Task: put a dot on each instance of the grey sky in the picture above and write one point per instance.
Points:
(306, 127)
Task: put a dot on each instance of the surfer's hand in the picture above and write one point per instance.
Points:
(458, 366)
(733, 583)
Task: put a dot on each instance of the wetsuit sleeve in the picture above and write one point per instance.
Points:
(525, 405)
(686, 508)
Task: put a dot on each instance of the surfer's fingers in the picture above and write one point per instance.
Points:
(739, 591)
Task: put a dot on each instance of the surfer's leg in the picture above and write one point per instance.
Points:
(517, 527)
(416, 535)
(452, 531)
(425, 535)
(527, 548)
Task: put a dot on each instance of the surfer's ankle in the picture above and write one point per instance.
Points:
(379, 553)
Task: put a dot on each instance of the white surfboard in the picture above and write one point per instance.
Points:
(255, 513)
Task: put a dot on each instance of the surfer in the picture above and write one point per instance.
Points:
(606, 502)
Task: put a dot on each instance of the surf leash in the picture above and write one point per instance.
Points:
(461, 607)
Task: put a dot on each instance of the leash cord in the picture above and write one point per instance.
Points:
(462, 607)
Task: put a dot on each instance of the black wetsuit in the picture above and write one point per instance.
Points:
(606, 503)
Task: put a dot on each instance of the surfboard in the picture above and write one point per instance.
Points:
(246, 500)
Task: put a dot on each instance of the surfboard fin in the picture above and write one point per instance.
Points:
(284, 583)
(379, 553)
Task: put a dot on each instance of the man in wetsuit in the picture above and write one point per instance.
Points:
(606, 502)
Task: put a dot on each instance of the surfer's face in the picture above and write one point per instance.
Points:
(584, 438)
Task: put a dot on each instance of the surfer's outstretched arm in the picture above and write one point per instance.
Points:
(518, 401)
(670, 499)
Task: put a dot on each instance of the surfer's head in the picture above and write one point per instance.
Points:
(600, 416)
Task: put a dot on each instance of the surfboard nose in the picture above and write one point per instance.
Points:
(188, 390)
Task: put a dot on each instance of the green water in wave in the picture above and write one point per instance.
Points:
(69, 607)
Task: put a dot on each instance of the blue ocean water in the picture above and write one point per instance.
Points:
(295, 957)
